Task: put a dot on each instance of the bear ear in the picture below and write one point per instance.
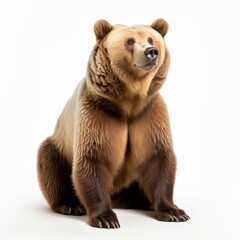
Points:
(161, 26)
(102, 28)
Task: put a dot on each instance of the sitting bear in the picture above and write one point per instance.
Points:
(112, 145)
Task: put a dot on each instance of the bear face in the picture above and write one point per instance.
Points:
(139, 50)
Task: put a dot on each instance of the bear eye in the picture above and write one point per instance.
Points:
(130, 41)
(150, 40)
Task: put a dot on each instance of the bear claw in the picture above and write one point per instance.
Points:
(186, 217)
(175, 218)
(113, 225)
(108, 225)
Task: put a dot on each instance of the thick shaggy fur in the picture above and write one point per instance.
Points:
(112, 145)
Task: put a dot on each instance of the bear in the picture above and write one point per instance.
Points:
(112, 145)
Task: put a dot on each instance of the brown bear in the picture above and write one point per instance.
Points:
(112, 145)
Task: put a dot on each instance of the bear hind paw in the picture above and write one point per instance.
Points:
(77, 210)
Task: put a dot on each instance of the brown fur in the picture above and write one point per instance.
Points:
(112, 145)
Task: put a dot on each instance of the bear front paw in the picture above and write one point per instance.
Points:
(105, 220)
(172, 215)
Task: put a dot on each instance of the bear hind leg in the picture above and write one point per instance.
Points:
(54, 175)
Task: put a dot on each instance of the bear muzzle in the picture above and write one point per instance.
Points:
(145, 57)
(151, 54)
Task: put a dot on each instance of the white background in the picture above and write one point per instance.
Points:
(44, 48)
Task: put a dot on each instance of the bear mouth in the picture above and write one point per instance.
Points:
(148, 66)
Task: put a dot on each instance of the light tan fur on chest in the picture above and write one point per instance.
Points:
(146, 134)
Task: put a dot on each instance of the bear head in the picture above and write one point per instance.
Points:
(126, 55)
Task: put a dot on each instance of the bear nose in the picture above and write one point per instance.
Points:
(151, 53)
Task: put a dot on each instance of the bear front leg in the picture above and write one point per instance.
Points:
(157, 179)
(98, 154)
(91, 181)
